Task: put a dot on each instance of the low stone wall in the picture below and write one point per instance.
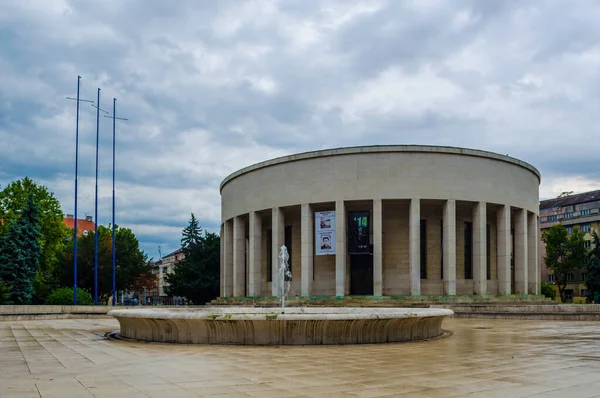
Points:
(558, 312)
(33, 312)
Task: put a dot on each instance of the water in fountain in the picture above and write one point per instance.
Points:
(284, 273)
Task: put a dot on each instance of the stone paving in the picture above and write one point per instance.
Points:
(483, 358)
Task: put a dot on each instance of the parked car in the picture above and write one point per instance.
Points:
(129, 301)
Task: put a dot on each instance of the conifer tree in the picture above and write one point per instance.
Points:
(20, 255)
(197, 275)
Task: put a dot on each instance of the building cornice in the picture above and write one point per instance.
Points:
(380, 149)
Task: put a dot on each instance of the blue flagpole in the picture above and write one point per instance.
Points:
(75, 219)
(96, 204)
(78, 99)
(114, 258)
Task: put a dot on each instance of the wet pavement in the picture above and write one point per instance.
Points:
(483, 358)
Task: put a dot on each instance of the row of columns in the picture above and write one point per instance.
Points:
(233, 270)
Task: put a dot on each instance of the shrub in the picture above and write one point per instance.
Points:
(548, 291)
(4, 292)
(64, 296)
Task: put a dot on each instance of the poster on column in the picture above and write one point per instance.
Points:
(324, 233)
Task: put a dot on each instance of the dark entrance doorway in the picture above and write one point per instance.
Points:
(361, 253)
(361, 275)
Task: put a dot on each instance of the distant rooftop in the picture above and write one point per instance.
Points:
(174, 253)
(570, 200)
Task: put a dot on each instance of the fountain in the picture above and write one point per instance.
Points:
(292, 326)
(284, 273)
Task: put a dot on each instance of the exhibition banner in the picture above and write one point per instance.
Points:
(324, 233)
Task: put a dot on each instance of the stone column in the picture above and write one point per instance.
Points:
(239, 257)
(307, 250)
(479, 248)
(377, 248)
(533, 265)
(228, 260)
(503, 242)
(222, 263)
(414, 247)
(340, 248)
(521, 256)
(255, 255)
(278, 239)
(450, 247)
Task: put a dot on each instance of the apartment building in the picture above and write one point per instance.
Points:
(580, 210)
(163, 267)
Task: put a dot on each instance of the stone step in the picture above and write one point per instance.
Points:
(386, 301)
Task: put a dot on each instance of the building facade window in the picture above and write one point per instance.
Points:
(551, 278)
(551, 218)
(585, 212)
(587, 244)
(165, 270)
(468, 250)
(569, 277)
(586, 228)
(423, 249)
(569, 230)
(568, 215)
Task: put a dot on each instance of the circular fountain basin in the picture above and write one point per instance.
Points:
(268, 326)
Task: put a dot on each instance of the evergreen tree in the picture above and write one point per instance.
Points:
(20, 254)
(191, 235)
(592, 280)
(53, 232)
(197, 275)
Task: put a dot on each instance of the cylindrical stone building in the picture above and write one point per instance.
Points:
(382, 221)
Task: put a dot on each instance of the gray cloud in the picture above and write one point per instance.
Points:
(210, 87)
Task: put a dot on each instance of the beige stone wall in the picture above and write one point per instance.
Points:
(394, 174)
(391, 172)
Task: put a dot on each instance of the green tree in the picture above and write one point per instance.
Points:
(197, 275)
(191, 235)
(131, 262)
(565, 254)
(4, 291)
(20, 254)
(53, 232)
(592, 279)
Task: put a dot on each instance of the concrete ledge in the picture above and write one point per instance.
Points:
(297, 326)
(558, 312)
(33, 312)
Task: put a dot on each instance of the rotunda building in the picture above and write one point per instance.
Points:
(399, 220)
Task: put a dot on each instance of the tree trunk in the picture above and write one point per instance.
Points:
(561, 291)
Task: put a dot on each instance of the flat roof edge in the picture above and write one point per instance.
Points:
(379, 149)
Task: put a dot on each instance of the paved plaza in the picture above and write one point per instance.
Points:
(483, 358)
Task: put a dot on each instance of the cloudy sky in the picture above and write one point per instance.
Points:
(213, 86)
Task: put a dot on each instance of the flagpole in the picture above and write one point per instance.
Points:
(114, 241)
(75, 217)
(78, 99)
(96, 204)
(114, 256)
